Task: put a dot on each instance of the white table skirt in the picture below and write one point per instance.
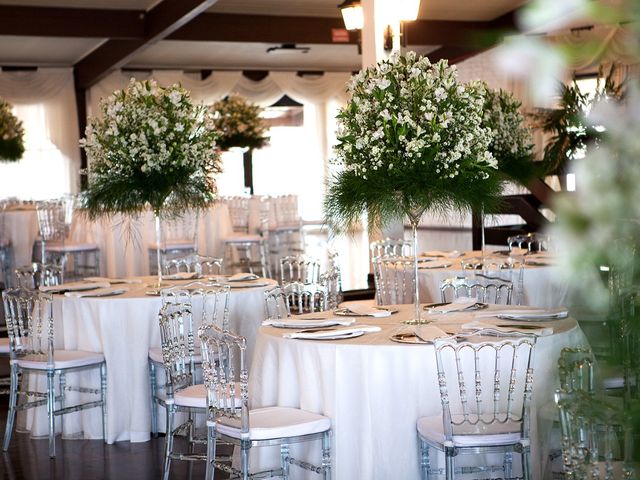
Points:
(124, 328)
(374, 391)
(542, 286)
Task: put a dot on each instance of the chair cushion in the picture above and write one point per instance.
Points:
(192, 396)
(62, 359)
(242, 238)
(431, 428)
(71, 247)
(4, 346)
(155, 355)
(276, 422)
(175, 245)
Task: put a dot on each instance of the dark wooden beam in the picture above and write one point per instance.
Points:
(70, 22)
(162, 20)
(453, 54)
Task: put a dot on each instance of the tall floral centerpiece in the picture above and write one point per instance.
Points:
(152, 148)
(410, 139)
(11, 134)
(240, 125)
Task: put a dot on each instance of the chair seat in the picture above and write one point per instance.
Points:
(192, 396)
(243, 238)
(62, 359)
(4, 346)
(71, 247)
(276, 422)
(508, 433)
(155, 354)
(293, 227)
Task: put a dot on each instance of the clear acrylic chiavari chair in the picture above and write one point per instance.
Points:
(306, 298)
(178, 238)
(485, 393)
(529, 243)
(485, 290)
(276, 304)
(37, 274)
(395, 280)
(391, 247)
(208, 303)
(229, 417)
(6, 248)
(30, 323)
(299, 268)
(199, 264)
(510, 269)
(287, 236)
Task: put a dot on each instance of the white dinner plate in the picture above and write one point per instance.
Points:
(409, 338)
(345, 312)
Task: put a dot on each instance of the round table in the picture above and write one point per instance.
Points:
(123, 328)
(374, 390)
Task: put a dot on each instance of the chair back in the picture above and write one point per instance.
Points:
(391, 247)
(332, 281)
(576, 370)
(531, 242)
(38, 274)
(207, 302)
(55, 218)
(226, 377)
(5, 239)
(395, 280)
(306, 298)
(200, 264)
(509, 269)
(29, 318)
(484, 384)
(180, 230)
(239, 213)
(178, 346)
(484, 289)
(276, 304)
(299, 268)
(286, 210)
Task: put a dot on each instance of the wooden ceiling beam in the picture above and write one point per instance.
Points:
(71, 22)
(162, 20)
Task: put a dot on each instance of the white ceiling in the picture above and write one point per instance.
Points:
(212, 55)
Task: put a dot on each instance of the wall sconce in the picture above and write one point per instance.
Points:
(353, 18)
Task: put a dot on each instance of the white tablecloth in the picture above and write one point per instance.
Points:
(374, 390)
(124, 328)
(543, 286)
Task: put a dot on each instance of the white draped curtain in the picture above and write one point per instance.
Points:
(44, 99)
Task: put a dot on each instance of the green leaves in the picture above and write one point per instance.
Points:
(239, 123)
(11, 135)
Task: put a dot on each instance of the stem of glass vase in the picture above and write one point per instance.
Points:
(482, 230)
(414, 228)
(158, 247)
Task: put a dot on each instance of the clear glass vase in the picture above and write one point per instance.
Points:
(158, 246)
(414, 218)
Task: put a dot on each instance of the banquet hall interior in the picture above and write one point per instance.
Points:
(386, 239)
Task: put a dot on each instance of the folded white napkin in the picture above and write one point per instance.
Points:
(308, 323)
(429, 332)
(74, 286)
(180, 276)
(367, 311)
(242, 277)
(489, 328)
(459, 305)
(435, 264)
(113, 281)
(526, 314)
(442, 253)
(343, 332)
(100, 292)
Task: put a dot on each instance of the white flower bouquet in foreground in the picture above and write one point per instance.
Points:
(152, 148)
(410, 139)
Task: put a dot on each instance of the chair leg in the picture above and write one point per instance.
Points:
(326, 455)
(103, 399)
(62, 384)
(51, 400)
(425, 469)
(244, 459)
(168, 443)
(526, 472)
(450, 464)
(284, 460)
(154, 393)
(507, 464)
(211, 453)
(11, 413)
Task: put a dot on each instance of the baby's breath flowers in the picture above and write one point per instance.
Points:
(239, 123)
(11, 134)
(153, 147)
(410, 139)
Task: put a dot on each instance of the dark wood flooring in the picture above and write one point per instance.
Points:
(27, 459)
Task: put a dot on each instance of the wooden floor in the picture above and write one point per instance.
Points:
(28, 459)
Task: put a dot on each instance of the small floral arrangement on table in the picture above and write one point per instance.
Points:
(410, 139)
(511, 145)
(239, 123)
(11, 134)
(153, 147)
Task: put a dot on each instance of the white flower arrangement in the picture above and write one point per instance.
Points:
(11, 134)
(239, 123)
(151, 144)
(411, 138)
